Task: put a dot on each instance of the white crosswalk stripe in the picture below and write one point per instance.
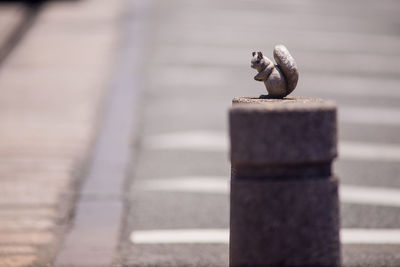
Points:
(221, 236)
(220, 185)
(214, 141)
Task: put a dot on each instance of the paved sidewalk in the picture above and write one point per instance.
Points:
(52, 87)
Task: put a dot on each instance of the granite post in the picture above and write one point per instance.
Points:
(284, 197)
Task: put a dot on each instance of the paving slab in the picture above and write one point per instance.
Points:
(52, 88)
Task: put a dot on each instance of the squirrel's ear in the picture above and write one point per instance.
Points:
(254, 53)
(260, 55)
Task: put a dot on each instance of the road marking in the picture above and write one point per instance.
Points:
(369, 151)
(190, 184)
(214, 141)
(378, 196)
(191, 140)
(221, 236)
(370, 236)
(352, 194)
(181, 236)
(370, 115)
(351, 86)
(183, 76)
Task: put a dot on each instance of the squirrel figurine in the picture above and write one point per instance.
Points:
(280, 79)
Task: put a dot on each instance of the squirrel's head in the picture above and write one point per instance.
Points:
(258, 62)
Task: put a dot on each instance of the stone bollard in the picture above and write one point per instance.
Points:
(284, 198)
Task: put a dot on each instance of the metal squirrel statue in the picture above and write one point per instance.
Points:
(281, 78)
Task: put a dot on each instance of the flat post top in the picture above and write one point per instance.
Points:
(287, 103)
(282, 131)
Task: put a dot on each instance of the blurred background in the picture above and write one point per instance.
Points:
(61, 63)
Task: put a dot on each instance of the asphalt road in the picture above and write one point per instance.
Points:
(197, 58)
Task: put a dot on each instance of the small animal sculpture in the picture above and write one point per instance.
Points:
(280, 79)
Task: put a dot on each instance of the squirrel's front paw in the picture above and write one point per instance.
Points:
(257, 79)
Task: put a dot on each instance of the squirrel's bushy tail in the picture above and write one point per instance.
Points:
(288, 66)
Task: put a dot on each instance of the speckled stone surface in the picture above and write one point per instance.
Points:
(289, 223)
(284, 198)
(287, 131)
(263, 99)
